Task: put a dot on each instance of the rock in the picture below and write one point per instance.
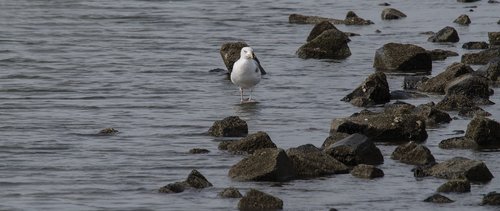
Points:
(485, 132)
(374, 90)
(493, 1)
(462, 20)
(356, 149)
(494, 38)
(464, 105)
(458, 143)
(457, 186)
(264, 165)
(391, 13)
(310, 162)
(252, 142)
(194, 180)
(491, 70)
(198, 151)
(471, 86)
(230, 192)
(351, 34)
(475, 45)
(403, 95)
(230, 52)
(320, 28)
(461, 168)
(413, 82)
(176, 187)
(482, 57)
(258, 200)
(334, 138)
(498, 22)
(414, 154)
(447, 34)
(439, 54)
(438, 83)
(403, 58)
(108, 131)
(231, 126)
(432, 115)
(330, 44)
(492, 198)
(353, 19)
(367, 171)
(467, 1)
(224, 144)
(303, 19)
(438, 198)
(384, 4)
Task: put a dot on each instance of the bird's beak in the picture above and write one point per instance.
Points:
(252, 56)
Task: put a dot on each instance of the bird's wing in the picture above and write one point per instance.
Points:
(262, 71)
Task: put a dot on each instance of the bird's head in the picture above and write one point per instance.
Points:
(247, 53)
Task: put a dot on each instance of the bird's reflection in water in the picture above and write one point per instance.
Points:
(248, 109)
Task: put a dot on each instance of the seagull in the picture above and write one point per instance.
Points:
(247, 72)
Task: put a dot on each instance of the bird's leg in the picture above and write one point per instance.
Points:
(241, 94)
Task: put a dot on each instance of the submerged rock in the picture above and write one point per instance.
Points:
(438, 83)
(475, 45)
(309, 162)
(230, 53)
(258, 200)
(461, 168)
(194, 180)
(447, 34)
(198, 151)
(462, 20)
(438, 198)
(482, 57)
(108, 131)
(230, 192)
(252, 142)
(304, 19)
(374, 90)
(391, 13)
(457, 186)
(330, 44)
(402, 58)
(414, 154)
(355, 149)
(231, 126)
(439, 54)
(367, 171)
(492, 198)
(353, 19)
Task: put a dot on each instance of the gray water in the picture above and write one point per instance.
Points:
(69, 68)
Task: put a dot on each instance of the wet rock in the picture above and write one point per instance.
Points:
(374, 90)
(482, 57)
(402, 58)
(355, 149)
(413, 82)
(304, 19)
(432, 115)
(176, 187)
(230, 52)
(462, 20)
(108, 131)
(438, 83)
(491, 70)
(353, 19)
(330, 44)
(458, 143)
(230, 192)
(264, 165)
(403, 95)
(391, 13)
(494, 38)
(456, 186)
(367, 171)
(320, 28)
(461, 168)
(475, 45)
(258, 200)
(438, 198)
(224, 144)
(252, 142)
(231, 126)
(493, 1)
(492, 198)
(485, 132)
(464, 105)
(198, 151)
(194, 180)
(333, 138)
(471, 86)
(413, 154)
(384, 4)
(447, 34)
(310, 162)
(498, 22)
(439, 54)
(351, 34)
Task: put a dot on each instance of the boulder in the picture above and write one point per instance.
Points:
(440, 54)
(414, 154)
(391, 13)
(413, 82)
(491, 70)
(353, 19)
(230, 192)
(355, 149)
(458, 143)
(438, 83)
(320, 28)
(475, 45)
(464, 105)
(230, 52)
(108, 131)
(304, 19)
(483, 131)
(462, 20)
(367, 171)
(438, 198)
(494, 38)
(258, 200)
(198, 151)
(252, 142)
(461, 168)
(330, 44)
(471, 86)
(492, 198)
(432, 115)
(231, 126)
(457, 186)
(403, 58)
(264, 165)
(310, 162)
(374, 90)
(447, 34)
(482, 57)
(334, 137)
(194, 180)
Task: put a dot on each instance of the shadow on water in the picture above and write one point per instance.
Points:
(247, 109)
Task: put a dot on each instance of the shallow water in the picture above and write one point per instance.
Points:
(69, 68)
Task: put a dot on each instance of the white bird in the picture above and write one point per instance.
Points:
(247, 72)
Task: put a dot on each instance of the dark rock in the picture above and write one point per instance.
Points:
(334, 138)
(384, 4)
(461, 168)
(252, 142)
(108, 131)
(491, 70)
(309, 162)
(230, 52)
(464, 105)
(194, 180)
(447, 34)
(467, 1)
(432, 115)
(391, 13)
(457, 143)
(231, 126)
(264, 165)
(438, 198)
(475, 45)
(492, 198)
(471, 10)
(198, 151)
(304, 19)
(485, 132)
(462, 20)
(493, 1)
(457, 186)
(356, 149)
(403, 95)
(482, 57)
(494, 38)
(413, 82)
(351, 34)
(374, 90)
(353, 19)
(258, 200)
(471, 86)
(498, 22)
(320, 28)
(428, 33)
(403, 58)
(414, 154)
(224, 144)
(230, 192)
(439, 54)
(330, 44)
(438, 83)
(176, 187)
(367, 171)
